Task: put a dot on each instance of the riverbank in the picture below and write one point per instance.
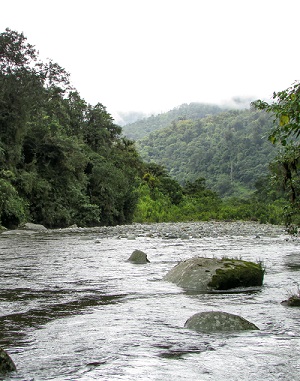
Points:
(197, 229)
(182, 230)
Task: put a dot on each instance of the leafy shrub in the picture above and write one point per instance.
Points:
(13, 209)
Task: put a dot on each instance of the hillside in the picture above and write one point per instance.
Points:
(62, 160)
(145, 126)
(230, 149)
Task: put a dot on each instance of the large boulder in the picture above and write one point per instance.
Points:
(216, 321)
(212, 274)
(138, 257)
(6, 363)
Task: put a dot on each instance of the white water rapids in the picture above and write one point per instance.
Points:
(73, 308)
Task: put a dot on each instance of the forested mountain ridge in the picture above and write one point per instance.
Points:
(145, 126)
(230, 150)
(64, 161)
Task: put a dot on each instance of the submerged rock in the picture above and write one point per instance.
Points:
(216, 321)
(139, 257)
(209, 274)
(6, 363)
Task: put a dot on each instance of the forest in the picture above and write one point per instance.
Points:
(229, 150)
(65, 162)
(146, 125)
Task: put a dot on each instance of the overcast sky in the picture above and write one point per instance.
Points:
(154, 55)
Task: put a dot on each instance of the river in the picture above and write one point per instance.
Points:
(73, 308)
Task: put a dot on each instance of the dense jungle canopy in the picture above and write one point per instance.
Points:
(229, 148)
(64, 161)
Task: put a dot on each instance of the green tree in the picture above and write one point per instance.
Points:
(285, 109)
(158, 179)
(13, 210)
(100, 131)
(226, 149)
(62, 161)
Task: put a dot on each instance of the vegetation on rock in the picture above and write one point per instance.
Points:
(212, 274)
(293, 300)
(237, 273)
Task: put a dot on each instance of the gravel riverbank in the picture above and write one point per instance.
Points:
(172, 230)
(185, 230)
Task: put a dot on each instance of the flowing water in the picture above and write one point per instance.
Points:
(73, 308)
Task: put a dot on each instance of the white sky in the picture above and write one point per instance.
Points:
(153, 55)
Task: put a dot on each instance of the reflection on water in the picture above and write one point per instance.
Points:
(73, 308)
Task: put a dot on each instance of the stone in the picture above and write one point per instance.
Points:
(36, 227)
(138, 257)
(217, 321)
(6, 363)
(292, 301)
(212, 274)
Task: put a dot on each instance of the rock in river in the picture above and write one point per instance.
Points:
(293, 301)
(209, 274)
(35, 227)
(216, 321)
(6, 363)
(139, 257)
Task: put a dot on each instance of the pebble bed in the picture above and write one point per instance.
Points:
(170, 230)
(185, 230)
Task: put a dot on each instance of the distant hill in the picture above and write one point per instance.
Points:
(145, 126)
(229, 149)
(129, 117)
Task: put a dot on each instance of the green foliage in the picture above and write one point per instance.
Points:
(156, 205)
(237, 274)
(198, 203)
(63, 161)
(145, 126)
(156, 176)
(153, 206)
(228, 150)
(13, 209)
(252, 210)
(286, 111)
(286, 130)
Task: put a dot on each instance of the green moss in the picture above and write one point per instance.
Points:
(236, 273)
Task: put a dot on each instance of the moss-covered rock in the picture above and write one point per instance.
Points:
(237, 273)
(6, 363)
(216, 321)
(208, 274)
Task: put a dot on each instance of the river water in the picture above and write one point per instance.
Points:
(73, 308)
